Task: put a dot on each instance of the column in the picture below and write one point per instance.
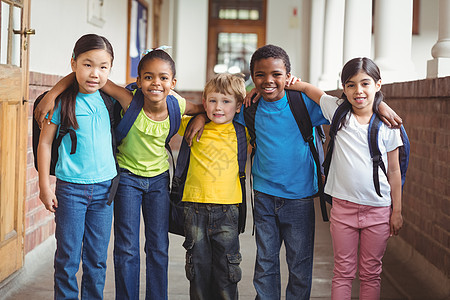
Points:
(332, 44)
(393, 36)
(316, 40)
(357, 29)
(439, 66)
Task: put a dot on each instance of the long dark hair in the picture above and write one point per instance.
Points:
(353, 67)
(84, 44)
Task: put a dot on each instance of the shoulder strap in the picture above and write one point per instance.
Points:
(338, 116)
(375, 154)
(109, 103)
(130, 116)
(110, 106)
(179, 175)
(301, 116)
(249, 118)
(404, 154)
(242, 159)
(174, 116)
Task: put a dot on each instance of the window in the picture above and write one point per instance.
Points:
(236, 29)
(10, 28)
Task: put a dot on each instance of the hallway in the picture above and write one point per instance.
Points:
(35, 281)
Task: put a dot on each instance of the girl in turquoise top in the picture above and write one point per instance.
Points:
(144, 179)
(83, 218)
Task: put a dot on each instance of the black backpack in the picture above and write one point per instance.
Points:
(63, 130)
(176, 219)
(374, 126)
(301, 115)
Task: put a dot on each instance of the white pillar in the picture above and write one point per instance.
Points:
(316, 40)
(357, 29)
(393, 35)
(440, 65)
(332, 45)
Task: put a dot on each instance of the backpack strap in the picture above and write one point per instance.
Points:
(130, 116)
(176, 218)
(242, 159)
(249, 118)
(338, 116)
(404, 154)
(375, 154)
(110, 106)
(174, 118)
(301, 116)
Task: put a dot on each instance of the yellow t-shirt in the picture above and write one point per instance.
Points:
(213, 174)
(142, 151)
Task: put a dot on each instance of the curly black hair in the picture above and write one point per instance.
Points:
(268, 51)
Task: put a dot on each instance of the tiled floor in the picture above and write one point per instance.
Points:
(35, 281)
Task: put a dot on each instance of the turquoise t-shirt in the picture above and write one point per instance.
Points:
(283, 165)
(93, 160)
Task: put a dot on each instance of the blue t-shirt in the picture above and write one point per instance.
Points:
(93, 160)
(283, 165)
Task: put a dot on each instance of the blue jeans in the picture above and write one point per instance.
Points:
(152, 194)
(279, 220)
(83, 227)
(212, 250)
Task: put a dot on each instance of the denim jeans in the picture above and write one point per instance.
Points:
(279, 220)
(83, 227)
(152, 194)
(212, 250)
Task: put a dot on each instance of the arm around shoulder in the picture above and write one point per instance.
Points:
(47, 103)
(119, 93)
(310, 90)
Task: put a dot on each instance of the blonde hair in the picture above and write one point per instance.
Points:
(225, 83)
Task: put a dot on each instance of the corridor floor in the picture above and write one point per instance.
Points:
(35, 280)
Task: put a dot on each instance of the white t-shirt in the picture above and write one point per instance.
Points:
(351, 171)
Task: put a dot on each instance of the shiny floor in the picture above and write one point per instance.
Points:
(35, 280)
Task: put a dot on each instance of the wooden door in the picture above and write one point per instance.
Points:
(14, 33)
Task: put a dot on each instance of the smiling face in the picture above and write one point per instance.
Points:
(156, 79)
(270, 76)
(360, 91)
(221, 108)
(92, 69)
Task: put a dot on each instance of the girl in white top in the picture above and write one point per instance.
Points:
(359, 215)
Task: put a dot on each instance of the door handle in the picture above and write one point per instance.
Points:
(25, 32)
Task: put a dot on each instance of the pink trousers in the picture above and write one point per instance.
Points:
(351, 224)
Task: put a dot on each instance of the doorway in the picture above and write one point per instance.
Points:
(14, 35)
(235, 30)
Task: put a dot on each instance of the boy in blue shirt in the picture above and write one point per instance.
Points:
(284, 180)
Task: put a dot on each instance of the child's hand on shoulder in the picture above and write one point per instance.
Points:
(251, 97)
(292, 80)
(396, 222)
(46, 106)
(195, 128)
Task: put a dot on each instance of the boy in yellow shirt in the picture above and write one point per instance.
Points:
(212, 193)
